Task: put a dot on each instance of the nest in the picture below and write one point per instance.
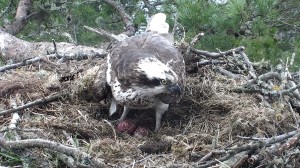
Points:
(210, 116)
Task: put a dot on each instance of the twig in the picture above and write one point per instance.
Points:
(266, 76)
(251, 138)
(241, 160)
(219, 54)
(44, 58)
(210, 154)
(58, 147)
(54, 45)
(290, 143)
(23, 63)
(266, 142)
(205, 62)
(255, 159)
(36, 102)
(290, 90)
(196, 39)
(4, 129)
(294, 114)
(208, 62)
(251, 146)
(291, 83)
(223, 164)
(13, 122)
(248, 64)
(69, 161)
(112, 127)
(210, 163)
(130, 29)
(106, 34)
(228, 73)
(15, 116)
(193, 42)
(293, 154)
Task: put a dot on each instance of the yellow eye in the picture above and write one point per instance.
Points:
(164, 82)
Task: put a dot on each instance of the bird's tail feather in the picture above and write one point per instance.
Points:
(157, 23)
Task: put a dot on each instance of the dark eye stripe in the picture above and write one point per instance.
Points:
(148, 82)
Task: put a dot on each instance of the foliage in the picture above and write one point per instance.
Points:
(9, 159)
(253, 24)
(65, 20)
(267, 28)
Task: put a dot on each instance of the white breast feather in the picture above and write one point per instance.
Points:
(108, 71)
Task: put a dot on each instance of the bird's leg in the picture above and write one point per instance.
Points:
(160, 109)
(113, 107)
(124, 114)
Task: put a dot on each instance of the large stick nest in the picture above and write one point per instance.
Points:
(210, 116)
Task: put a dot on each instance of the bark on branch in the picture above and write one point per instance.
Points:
(130, 29)
(27, 50)
(55, 146)
(36, 102)
(21, 18)
(252, 146)
(219, 54)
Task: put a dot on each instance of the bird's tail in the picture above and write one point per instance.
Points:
(157, 23)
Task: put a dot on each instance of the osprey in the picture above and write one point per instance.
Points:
(146, 71)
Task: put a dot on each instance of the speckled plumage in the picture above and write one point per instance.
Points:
(145, 71)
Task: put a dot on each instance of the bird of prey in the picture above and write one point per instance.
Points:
(146, 71)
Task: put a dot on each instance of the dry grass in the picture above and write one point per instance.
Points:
(210, 116)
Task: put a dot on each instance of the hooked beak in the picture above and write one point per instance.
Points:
(175, 92)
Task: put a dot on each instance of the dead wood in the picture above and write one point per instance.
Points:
(22, 15)
(106, 34)
(219, 54)
(34, 103)
(27, 50)
(130, 29)
(41, 143)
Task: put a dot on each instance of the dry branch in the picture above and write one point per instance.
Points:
(194, 41)
(107, 34)
(58, 147)
(219, 54)
(34, 103)
(24, 62)
(130, 29)
(228, 73)
(21, 18)
(27, 50)
(289, 144)
(252, 146)
(248, 64)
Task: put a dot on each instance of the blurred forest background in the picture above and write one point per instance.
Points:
(269, 29)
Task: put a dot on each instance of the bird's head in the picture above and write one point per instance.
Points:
(159, 80)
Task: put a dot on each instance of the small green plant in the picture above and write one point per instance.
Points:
(9, 159)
